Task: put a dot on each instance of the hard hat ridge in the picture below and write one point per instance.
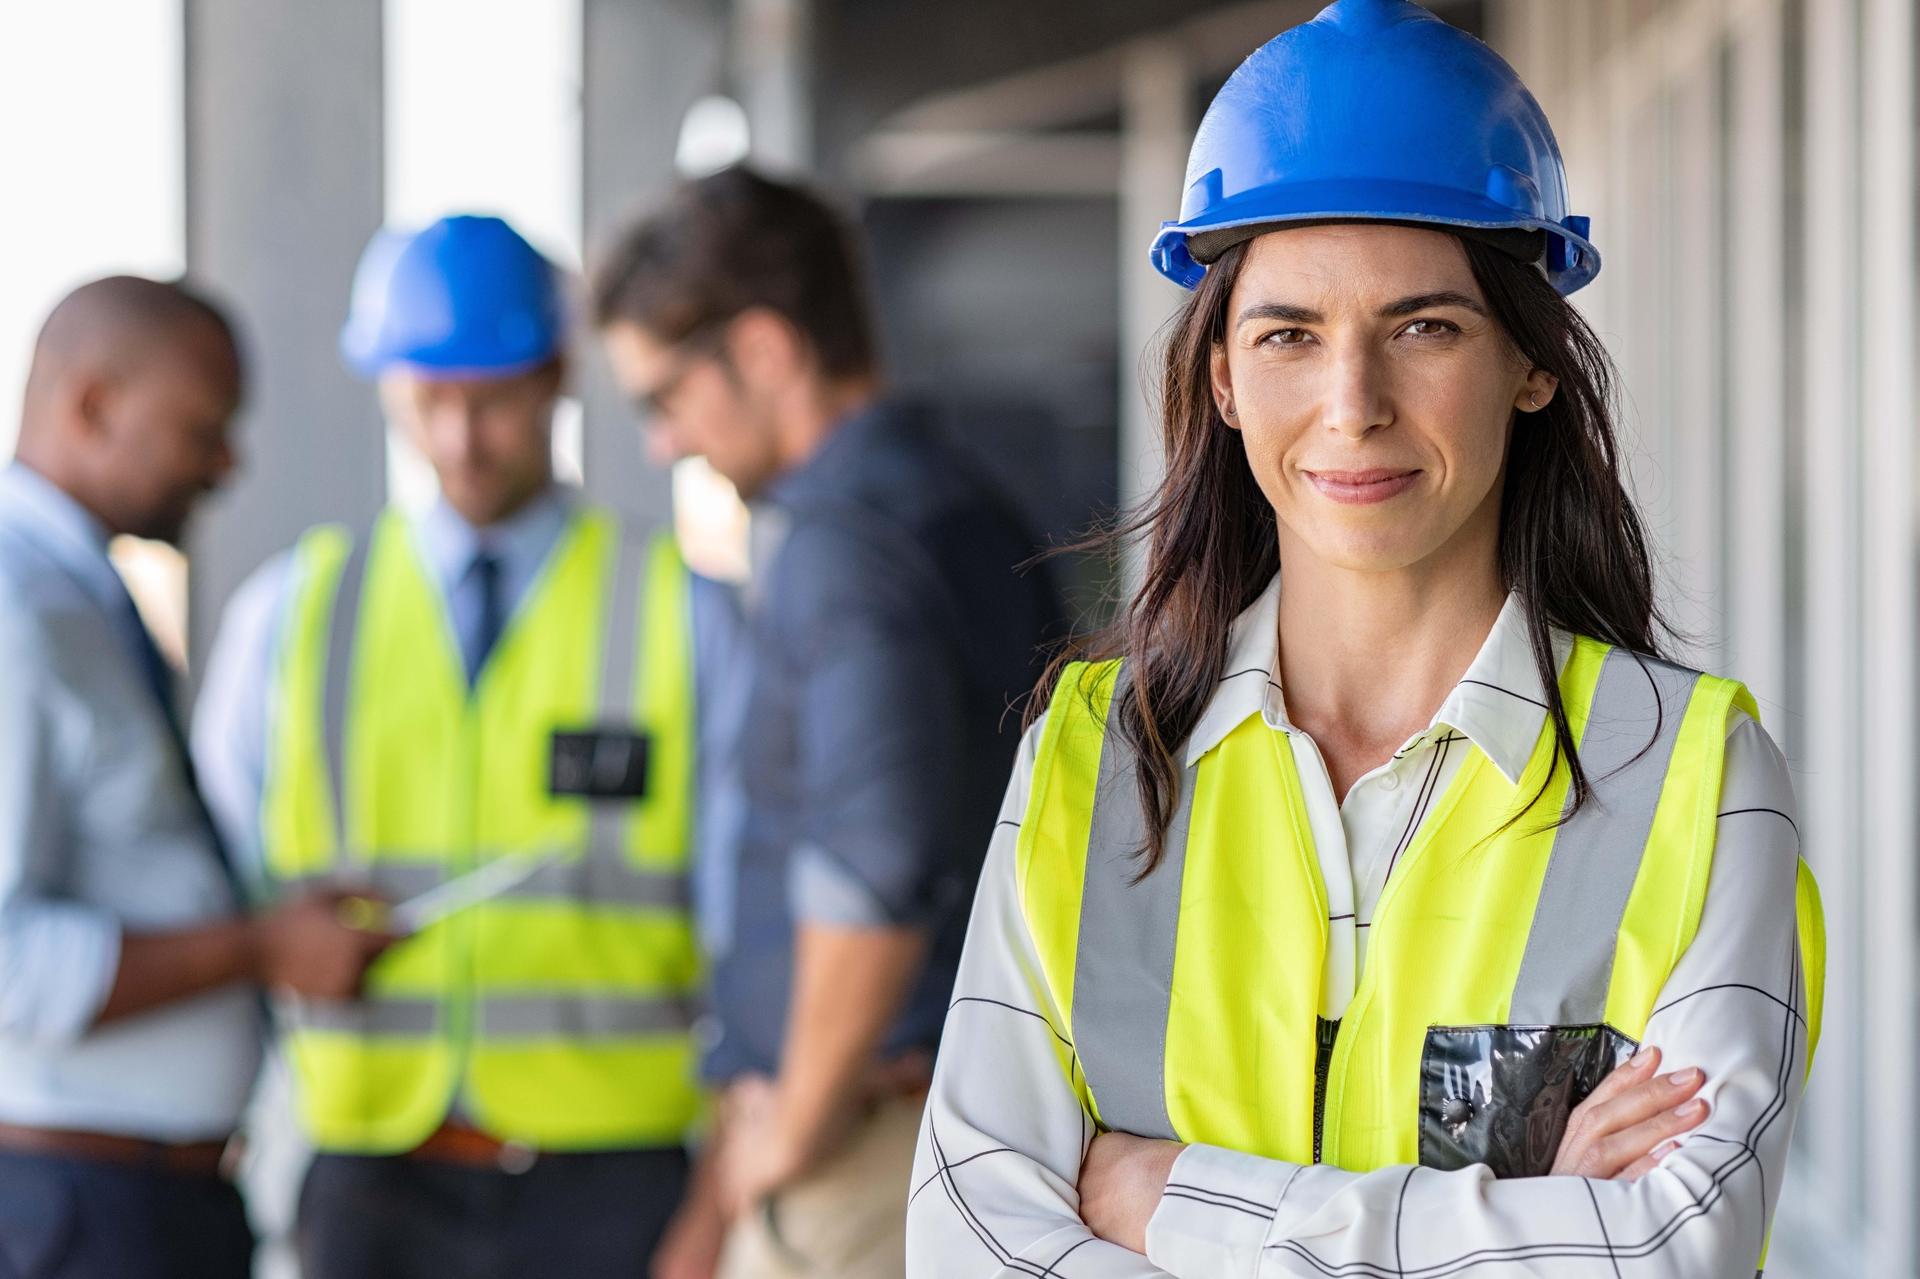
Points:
(1376, 110)
(1363, 17)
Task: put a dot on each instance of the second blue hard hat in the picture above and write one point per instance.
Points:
(464, 297)
(1376, 110)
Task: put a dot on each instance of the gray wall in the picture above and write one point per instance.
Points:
(283, 119)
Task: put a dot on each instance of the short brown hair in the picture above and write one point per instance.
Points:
(734, 240)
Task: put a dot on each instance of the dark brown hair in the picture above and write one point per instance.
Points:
(1572, 546)
(726, 243)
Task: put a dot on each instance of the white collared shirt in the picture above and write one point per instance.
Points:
(994, 1185)
(1498, 707)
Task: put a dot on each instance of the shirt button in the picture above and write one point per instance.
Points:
(1390, 781)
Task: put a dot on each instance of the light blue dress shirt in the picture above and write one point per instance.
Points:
(99, 832)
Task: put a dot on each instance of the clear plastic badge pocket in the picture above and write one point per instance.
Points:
(1501, 1095)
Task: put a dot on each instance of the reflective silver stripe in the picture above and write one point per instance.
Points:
(619, 662)
(393, 880)
(605, 878)
(619, 669)
(576, 1017)
(415, 1017)
(550, 1016)
(600, 878)
(342, 627)
(1123, 961)
(1596, 853)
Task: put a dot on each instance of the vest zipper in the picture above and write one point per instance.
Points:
(1326, 1033)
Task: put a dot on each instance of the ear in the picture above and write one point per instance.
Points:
(765, 348)
(1536, 392)
(92, 399)
(1221, 378)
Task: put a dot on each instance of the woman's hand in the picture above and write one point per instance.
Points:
(1121, 1181)
(1628, 1125)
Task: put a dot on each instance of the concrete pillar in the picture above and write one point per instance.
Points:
(645, 62)
(773, 72)
(1830, 467)
(1756, 606)
(1156, 129)
(1890, 748)
(283, 111)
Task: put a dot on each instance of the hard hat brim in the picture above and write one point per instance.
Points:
(1370, 200)
(371, 363)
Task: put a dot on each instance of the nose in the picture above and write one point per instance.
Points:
(664, 447)
(1357, 399)
(455, 423)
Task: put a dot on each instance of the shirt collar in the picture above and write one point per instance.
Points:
(62, 527)
(1499, 704)
(522, 540)
(825, 472)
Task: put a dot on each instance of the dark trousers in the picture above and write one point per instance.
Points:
(68, 1218)
(573, 1216)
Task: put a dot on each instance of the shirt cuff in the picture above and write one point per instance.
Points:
(1217, 1212)
(61, 960)
(823, 891)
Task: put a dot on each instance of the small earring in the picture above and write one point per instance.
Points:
(1534, 400)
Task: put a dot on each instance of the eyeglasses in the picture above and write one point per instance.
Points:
(702, 344)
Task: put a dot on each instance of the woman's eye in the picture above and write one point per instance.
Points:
(1286, 337)
(1431, 328)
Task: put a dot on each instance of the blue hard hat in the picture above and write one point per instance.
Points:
(465, 297)
(1375, 110)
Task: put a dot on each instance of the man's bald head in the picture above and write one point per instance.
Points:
(128, 399)
(112, 325)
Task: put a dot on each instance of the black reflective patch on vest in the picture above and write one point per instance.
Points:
(1501, 1095)
(607, 763)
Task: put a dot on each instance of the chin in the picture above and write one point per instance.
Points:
(1368, 554)
(746, 487)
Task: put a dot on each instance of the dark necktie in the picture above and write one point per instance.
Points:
(159, 677)
(486, 612)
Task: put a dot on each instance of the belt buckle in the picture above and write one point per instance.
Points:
(516, 1157)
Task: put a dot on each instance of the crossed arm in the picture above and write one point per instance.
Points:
(997, 1182)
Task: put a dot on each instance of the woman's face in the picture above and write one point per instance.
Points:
(1375, 393)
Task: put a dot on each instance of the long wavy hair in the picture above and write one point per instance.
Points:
(1572, 546)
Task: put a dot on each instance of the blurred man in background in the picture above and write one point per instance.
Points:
(484, 711)
(130, 1029)
(888, 633)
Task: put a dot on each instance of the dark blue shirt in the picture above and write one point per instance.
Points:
(888, 632)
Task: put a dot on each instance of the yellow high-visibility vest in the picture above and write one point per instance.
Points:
(1514, 958)
(558, 1013)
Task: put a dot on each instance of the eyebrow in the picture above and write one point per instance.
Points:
(1392, 310)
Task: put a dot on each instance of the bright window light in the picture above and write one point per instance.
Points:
(93, 143)
(483, 116)
(94, 135)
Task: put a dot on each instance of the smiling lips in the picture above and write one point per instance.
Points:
(1361, 488)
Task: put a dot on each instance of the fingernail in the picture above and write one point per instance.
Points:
(1692, 1110)
(1642, 1057)
(1685, 1078)
(1661, 1152)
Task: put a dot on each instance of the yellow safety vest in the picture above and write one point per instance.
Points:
(1514, 957)
(557, 1014)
